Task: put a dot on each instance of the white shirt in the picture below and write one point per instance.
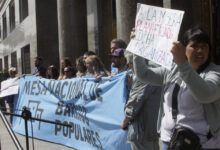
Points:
(190, 115)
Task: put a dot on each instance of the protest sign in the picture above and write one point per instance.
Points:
(9, 87)
(93, 109)
(156, 29)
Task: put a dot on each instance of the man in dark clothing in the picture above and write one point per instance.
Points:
(119, 61)
(40, 70)
(141, 113)
(3, 76)
(116, 43)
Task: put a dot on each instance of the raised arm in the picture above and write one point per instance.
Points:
(205, 88)
(148, 74)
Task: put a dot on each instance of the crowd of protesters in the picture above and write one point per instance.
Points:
(163, 102)
(87, 65)
(91, 65)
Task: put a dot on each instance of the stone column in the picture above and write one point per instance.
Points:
(216, 18)
(99, 14)
(167, 3)
(105, 31)
(72, 26)
(188, 15)
(92, 18)
(158, 3)
(125, 14)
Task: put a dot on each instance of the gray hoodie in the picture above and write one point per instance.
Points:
(205, 87)
(142, 108)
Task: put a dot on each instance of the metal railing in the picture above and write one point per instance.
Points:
(10, 131)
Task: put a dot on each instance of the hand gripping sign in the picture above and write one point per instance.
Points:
(156, 29)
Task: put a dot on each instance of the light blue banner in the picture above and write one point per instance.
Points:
(94, 109)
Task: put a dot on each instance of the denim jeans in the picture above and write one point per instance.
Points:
(164, 145)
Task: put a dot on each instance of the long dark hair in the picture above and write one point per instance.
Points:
(67, 62)
(54, 72)
(81, 63)
(198, 35)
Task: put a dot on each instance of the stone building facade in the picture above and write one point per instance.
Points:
(54, 29)
(28, 29)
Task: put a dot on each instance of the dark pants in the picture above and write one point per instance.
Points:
(2, 104)
(11, 107)
(146, 145)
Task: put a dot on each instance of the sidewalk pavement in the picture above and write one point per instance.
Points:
(6, 142)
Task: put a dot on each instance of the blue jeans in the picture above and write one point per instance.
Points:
(165, 146)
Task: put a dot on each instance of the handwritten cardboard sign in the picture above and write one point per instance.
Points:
(9, 87)
(156, 29)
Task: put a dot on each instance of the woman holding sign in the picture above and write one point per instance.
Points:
(189, 115)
